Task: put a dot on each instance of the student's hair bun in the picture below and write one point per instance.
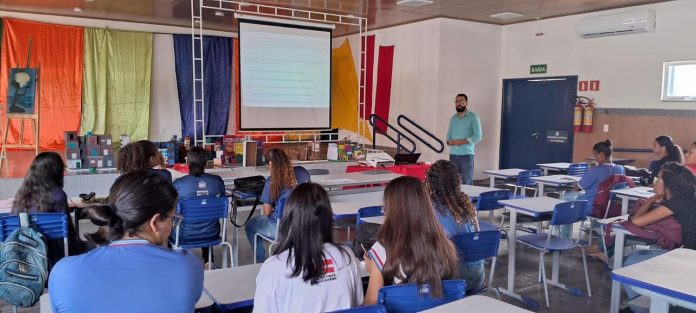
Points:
(608, 142)
(103, 215)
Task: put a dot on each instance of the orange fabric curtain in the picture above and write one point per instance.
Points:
(58, 50)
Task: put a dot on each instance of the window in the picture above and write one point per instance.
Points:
(679, 81)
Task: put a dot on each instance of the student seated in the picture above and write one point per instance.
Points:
(198, 183)
(455, 212)
(586, 188)
(278, 186)
(411, 245)
(690, 158)
(42, 192)
(668, 151)
(142, 155)
(308, 272)
(675, 195)
(133, 270)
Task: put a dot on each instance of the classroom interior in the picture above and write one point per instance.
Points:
(525, 75)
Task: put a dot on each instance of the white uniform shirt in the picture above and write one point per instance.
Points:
(340, 288)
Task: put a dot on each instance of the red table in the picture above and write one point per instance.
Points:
(414, 170)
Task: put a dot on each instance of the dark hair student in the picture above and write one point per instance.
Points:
(197, 159)
(668, 151)
(42, 188)
(141, 155)
(307, 261)
(134, 200)
(135, 223)
(604, 147)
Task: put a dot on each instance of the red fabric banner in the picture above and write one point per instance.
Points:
(58, 51)
(384, 81)
(368, 64)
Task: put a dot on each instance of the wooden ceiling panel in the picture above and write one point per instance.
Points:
(380, 13)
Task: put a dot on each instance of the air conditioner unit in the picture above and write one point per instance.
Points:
(617, 24)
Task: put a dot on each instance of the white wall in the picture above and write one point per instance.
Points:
(433, 61)
(629, 67)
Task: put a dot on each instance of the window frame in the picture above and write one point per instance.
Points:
(666, 81)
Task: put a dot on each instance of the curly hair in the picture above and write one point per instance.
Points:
(131, 158)
(442, 184)
(44, 177)
(282, 173)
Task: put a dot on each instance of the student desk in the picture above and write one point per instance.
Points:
(374, 219)
(559, 166)
(619, 241)
(629, 194)
(474, 191)
(478, 304)
(535, 207)
(233, 287)
(555, 181)
(510, 173)
(350, 209)
(666, 279)
(331, 182)
(618, 161)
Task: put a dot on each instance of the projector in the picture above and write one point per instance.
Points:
(377, 158)
(414, 3)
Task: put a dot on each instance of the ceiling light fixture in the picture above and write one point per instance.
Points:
(507, 15)
(219, 13)
(414, 3)
(77, 9)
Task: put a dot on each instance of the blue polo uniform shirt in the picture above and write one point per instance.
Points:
(195, 186)
(127, 276)
(467, 127)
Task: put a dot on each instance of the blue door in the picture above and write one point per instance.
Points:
(537, 121)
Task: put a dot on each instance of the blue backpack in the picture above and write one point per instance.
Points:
(23, 265)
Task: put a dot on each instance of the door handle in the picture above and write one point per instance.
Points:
(535, 135)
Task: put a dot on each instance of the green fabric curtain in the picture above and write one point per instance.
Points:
(116, 83)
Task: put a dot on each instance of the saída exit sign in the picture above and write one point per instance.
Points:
(537, 69)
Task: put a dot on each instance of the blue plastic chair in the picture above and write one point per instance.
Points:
(578, 169)
(377, 308)
(202, 209)
(488, 201)
(277, 215)
(52, 225)
(524, 181)
(370, 211)
(407, 298)
(478, 246)
(301, 174)
(563, 214)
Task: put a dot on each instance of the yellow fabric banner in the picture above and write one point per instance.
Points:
(344, 93)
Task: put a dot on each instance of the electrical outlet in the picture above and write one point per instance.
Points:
(606, 128)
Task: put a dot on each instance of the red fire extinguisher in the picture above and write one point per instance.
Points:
(587, 116)
(577, 114)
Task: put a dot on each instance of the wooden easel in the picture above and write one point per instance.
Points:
(22, 118)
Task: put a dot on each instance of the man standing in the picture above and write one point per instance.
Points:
(463, 133)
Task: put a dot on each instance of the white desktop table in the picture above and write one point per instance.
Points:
(233, 287)
(629, 194)
(474, 191)
(350, 209)
(374, 219)
(340, 180)
(535, 207)
(555, 181)
(619, 241)
(509, 173)
(478, 304)
(559, 166)
(666, 279)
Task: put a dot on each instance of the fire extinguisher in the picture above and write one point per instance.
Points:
(577, 114)
(587, 116)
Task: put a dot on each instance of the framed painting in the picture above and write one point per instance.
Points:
(21, 92)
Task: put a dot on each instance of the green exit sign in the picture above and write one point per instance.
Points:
(537, 69)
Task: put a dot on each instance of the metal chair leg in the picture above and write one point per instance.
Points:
(587, 276)
(543, 273)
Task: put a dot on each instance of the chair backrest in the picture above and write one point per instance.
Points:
(601, 205)
(524, 178)
(280, 204)
(301, 174)
(489, 200)
(570, 212)
(51, 225)
(577, 169)
(415, 298)
(377, 308)
(477, 246)
(204, 208)
(369, 212)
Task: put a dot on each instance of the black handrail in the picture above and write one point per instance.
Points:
(375, 129)
(442, 145)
